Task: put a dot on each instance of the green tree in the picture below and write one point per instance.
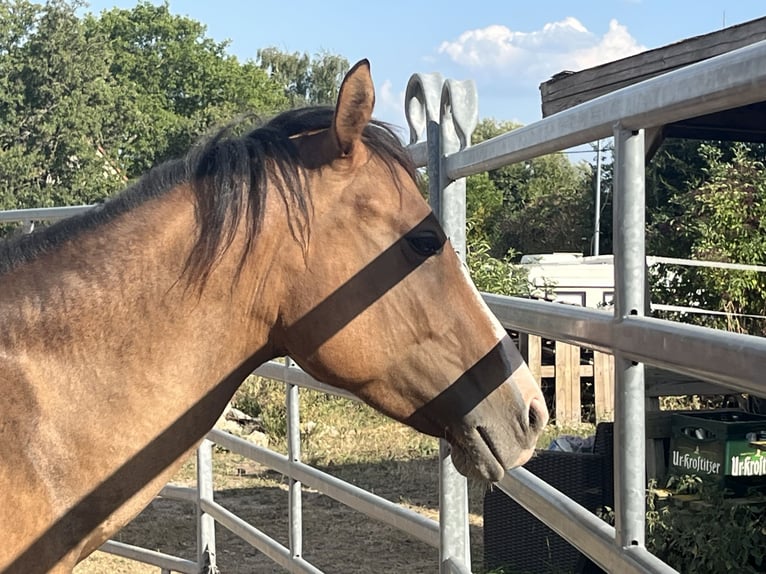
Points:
(52, 97)
(723, 218)
(535, 206)
(557, 213)
(671, 175)
(88, 103)
(305, 80)
(172, 83)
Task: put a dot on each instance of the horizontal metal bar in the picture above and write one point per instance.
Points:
(42, 213)
(266, 457)
(257, 538)
(700, 311)
(419, 153)
(374, 506)
(655, 260)
(736, 360)
(580, 527)
(152, 557)
(730, 80)
(730, 358)
(577, 325)
(297, 376)
(173, 492)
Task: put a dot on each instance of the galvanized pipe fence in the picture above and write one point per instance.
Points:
(445, 112)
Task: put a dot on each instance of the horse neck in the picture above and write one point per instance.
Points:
(120, 291)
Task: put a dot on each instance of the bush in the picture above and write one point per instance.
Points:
(494, 275)
(704, 532)
(712, 534)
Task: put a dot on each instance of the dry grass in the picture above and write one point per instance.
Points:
(343, 437)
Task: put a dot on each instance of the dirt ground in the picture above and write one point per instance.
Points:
(336, 539)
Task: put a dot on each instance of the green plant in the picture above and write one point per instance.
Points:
(495, 275)
(694, 527)
(710, 534)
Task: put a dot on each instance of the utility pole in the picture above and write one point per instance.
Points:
(597, 229)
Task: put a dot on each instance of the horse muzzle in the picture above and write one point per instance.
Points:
(486, 449)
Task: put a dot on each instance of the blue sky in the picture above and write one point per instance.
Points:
(507, 47)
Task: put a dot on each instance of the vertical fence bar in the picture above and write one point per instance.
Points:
(205, 523)
(458, 116)
(295, 511)
(455, 540)
(425, 110)
(630, 273)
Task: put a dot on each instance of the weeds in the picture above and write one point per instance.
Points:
(334, 430)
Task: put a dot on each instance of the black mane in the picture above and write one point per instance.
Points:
(218, 168)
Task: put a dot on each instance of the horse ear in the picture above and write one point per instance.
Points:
(354, 108)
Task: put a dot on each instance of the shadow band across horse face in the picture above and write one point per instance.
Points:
(450, 413)
(113, 368)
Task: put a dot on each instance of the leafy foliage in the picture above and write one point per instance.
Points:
(53, 95)
(709, 536)
(535, 206)
(88, 103)
(171, 83)
(305, 80)
(495, 275)
(722, 218)
(693, 527)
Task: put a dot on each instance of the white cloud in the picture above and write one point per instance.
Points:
(615, 44)
(386, 98)
(535, 56)
(389, 104)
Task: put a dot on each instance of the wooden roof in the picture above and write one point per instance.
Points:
(567, 89)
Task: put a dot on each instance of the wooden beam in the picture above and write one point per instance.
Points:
(568, 89)
(603, 386)
(534, 356)
(745, 124)
(568, 409)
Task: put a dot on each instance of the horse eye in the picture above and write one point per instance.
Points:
(425, 243)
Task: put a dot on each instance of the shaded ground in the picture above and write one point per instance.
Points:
(336, 539)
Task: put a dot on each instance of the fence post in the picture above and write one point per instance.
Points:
(629, 282)
(531, 349)
(205, 522)
(447, 111)
(458, 117)
(295, 510)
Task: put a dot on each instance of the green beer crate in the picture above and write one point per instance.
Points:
(728, 447)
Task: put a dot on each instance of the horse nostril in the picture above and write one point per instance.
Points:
(537, 416)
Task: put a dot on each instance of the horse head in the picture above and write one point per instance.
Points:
(377, 302)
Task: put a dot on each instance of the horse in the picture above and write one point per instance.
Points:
(127, 329)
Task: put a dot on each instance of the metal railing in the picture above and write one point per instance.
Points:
(446, 112)
(731, 80)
